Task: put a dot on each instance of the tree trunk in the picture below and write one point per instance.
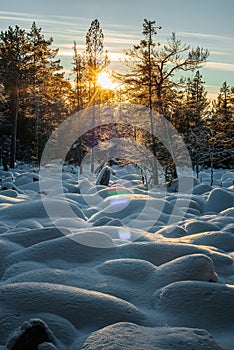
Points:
(211, 166)
(14, 118)
(93, 135)
(159, 104)
(154, 146)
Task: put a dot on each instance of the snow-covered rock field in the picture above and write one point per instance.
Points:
(119, 267)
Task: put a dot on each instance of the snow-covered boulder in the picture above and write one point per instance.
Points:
(129, 336)
(218, 200)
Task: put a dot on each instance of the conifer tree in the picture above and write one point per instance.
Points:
(224, 104)
(96, 58)
(196, 104)
(165, 60)
(221, 128)
(96, 61)
(151, 68)
(14, 57)
(79, 67)
(36, 90)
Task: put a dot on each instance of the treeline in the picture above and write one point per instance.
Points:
(35, 95)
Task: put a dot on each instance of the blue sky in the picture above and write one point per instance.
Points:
(206, 23)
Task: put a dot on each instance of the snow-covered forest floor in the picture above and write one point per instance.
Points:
(118, 267)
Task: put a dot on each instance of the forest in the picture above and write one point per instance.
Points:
(36, 96)
(116, 179)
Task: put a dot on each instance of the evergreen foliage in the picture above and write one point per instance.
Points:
(35, 96)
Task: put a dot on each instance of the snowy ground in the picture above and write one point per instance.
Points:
(121, 268)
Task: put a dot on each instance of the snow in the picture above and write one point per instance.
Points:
(131, 336)
(85, 266)
(210, 310)
(35, 325)
(219, 199)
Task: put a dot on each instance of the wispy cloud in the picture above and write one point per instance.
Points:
(120, 41)
(204, 36)
(220, 66)
(222, 53)
(117, 37)
(16, 14)
(20, 17)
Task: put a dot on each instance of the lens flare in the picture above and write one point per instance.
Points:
(125, 235)
(105, 81)
(118, 196)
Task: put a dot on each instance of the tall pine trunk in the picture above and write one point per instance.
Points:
(14, 118)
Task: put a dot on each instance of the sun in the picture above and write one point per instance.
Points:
(105, 81)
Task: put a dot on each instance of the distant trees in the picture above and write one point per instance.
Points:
(221, 126)
(224, 103)
(35, 96)
(190, 121)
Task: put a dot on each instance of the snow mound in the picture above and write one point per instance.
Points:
(196, 226)
(201, 189)
(30, 335)
(35, 209)
(136, 337)
(172, 231)
(228, 212)
(31, 237)
(117, 267)
(81, 307)
(218, 200)
(196, 304)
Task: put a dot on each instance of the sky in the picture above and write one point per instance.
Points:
(205, 23)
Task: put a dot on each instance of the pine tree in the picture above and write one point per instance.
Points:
(96, 61)
(150, 79)
(165, 61)
(196, 106)
(147, 45)
(221, 128)
(139, 80)
(96, 58)
(79, 67)
(48, 91)
(14, 57)
(224, 104)
(36, 90)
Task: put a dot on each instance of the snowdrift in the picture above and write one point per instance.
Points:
(124, 267)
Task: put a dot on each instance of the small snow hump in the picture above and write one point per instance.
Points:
(104, 177)
(30, 335)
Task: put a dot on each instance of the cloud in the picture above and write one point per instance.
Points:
(204, 36)
(29, 17)
(220, 66)
(120, 41)
(9, 14)
(221, 53)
